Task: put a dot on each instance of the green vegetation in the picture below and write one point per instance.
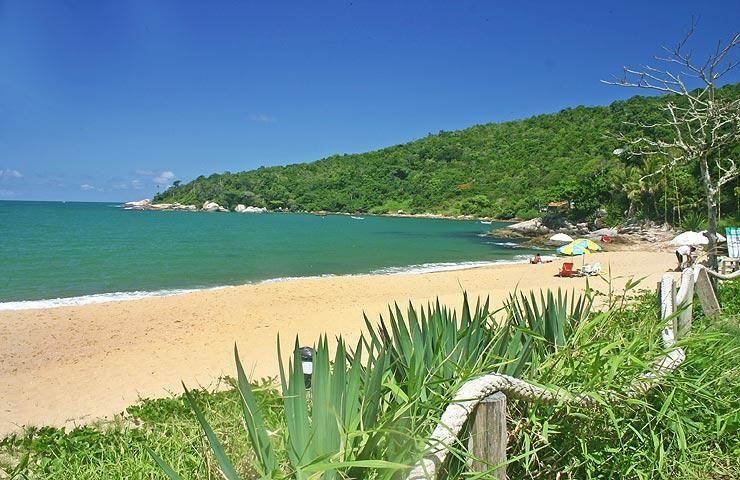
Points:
(364, 417)
(500, 170)
(689, 428)
(367, 415)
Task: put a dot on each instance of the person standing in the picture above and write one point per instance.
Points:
(683, 254)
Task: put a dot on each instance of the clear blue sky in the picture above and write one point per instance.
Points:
(105, 100)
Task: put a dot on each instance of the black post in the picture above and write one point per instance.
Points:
(307, 364)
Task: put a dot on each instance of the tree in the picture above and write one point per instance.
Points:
(697, 125)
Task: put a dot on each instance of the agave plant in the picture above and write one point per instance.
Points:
(324, 431)
(372, 407)
(431, 346)
(323, 427)
(532, 329)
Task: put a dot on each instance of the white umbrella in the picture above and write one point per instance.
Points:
(690, 238)
(561, 237)
(720, 238)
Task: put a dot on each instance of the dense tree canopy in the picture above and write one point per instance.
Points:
(501, 170)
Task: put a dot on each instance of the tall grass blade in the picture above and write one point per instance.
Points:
(163, 465)
(227, 469)
(254, 421)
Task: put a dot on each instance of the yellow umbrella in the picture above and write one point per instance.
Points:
(589, 244)
(581, 246)
(573, 248)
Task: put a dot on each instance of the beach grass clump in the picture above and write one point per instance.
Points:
(688, 428)
(117, 449)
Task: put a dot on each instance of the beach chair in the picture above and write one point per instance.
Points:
(589, 270)
(566, 270)
(731, 262)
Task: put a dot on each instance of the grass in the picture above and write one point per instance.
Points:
(689, 428)
(118, 449)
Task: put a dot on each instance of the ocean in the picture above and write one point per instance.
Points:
(57, 253)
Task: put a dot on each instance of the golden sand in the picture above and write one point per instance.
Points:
(70, 365)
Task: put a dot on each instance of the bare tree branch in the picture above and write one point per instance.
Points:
(702, 125)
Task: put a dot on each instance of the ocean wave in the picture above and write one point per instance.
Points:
(504, 244)
(443, 266)
(92, 299)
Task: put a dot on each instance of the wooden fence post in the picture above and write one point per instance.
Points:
(488, 436)
(667, 294)
(706, 294)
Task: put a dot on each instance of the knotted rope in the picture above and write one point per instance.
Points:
(468, 397)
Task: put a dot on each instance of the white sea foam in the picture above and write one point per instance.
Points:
(504, 244)
(136, 295)
(91, 299)
(441, 267)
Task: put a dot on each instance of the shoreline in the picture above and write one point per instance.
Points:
(73, 365)
(149, 205)
(111, 297)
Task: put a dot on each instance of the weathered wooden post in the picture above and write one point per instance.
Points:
(488, 436)
(667, 296)
(706, 294)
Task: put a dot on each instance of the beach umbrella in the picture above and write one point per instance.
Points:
(588, 244)
(720, 238)
(561, 237)
(572, 249)
(581, 246)
(690, 238)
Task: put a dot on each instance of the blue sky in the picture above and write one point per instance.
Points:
(111, 100)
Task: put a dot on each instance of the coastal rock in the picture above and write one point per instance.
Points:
(147, 204)
(138, 204)
(530, 227)
(213, 207)
(611, 232)
(597, 234)
(186, 208)
(160, 206)
(250, 209)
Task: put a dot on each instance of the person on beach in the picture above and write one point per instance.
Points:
(683, 254)
(536, 259)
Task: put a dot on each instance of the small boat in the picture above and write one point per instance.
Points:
(485, 222)
(357, 218)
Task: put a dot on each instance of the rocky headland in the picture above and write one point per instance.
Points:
(147, 204)
(644, 235)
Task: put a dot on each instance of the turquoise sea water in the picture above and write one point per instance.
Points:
(52, 250)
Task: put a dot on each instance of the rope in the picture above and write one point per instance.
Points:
(722, 276)
(468, 397)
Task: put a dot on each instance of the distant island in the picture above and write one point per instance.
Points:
(499, 170)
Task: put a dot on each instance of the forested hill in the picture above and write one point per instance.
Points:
(499, 169)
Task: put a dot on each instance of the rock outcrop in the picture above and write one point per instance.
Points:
(597, 234)
(213, 207)
(530, 227)
(147, 204)
(250, 209)
(138, 204)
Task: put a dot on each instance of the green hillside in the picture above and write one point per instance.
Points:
(499, 169)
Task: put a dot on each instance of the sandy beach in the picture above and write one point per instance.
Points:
(71, 365)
